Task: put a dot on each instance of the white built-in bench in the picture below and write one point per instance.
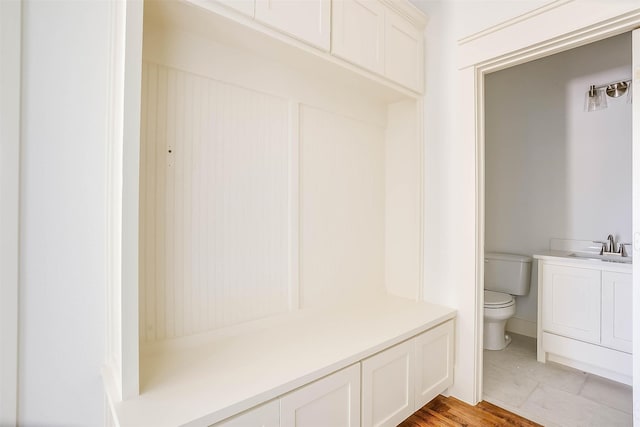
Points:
(311, 354)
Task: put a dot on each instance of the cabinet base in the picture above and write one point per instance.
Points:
(612, 364)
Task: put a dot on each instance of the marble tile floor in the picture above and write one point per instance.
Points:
(552, 394)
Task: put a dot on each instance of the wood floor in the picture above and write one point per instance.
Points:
(449, 411)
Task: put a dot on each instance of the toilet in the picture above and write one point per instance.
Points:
(505, 275)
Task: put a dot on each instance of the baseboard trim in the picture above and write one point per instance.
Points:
(522, 327)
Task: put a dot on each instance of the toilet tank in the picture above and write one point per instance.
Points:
(508, 273)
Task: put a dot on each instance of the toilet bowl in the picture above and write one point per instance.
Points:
(505, 275)
(498, 308)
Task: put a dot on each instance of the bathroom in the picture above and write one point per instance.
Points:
(555, 174)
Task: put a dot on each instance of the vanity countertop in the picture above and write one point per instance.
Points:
(586, 260)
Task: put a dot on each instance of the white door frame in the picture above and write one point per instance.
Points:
(10, 46)
(544, 47)
(635, 118)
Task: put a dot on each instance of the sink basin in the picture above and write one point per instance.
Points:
(606, 258)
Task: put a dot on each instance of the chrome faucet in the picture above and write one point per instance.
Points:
(611, 247)
(608, 247)
(605, 245)
(621, 250)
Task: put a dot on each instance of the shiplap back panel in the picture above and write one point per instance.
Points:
(403, 201)
(214, 204)
(342, 207)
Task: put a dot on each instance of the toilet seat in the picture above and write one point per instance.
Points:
(497, 299)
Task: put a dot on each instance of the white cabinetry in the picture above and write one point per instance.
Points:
(571, 302)
(404, 52)
(357, 33)
(266, 415)
(381, 390)
(213, 334)
(371, 34)
(434, 363)
(617, 296)
(382, 36)
(246, 7)
(307, 20)
(330, 401)
(399, 381)
(584, 315)
(387, 386)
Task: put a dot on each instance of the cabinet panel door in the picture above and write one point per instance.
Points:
(243, 6)
(330, 401)
(266, 415)
(617, 297)
(434, 363)
(307, 20)
(388, 386)
(404, 52)
(357, 33)
(571, 302)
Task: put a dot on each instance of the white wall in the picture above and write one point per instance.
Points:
(450, 172)
(473, 16)
(450, 151)
(552, 169)
(10, 41)
(62, 230)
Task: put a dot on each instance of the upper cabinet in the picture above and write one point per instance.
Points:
(386, 37)
(404, 51)
(246, 7)
(358, 33)
(307, 20)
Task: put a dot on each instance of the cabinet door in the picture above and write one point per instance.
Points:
(404, 52)
(388, 386)
(266, 415)
(330, 401)
(243, 6)
(571, 302)
(357, 33)
(617, 296)
(307, 20)
(434, 363)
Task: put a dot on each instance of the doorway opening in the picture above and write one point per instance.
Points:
(473, 100)
(549, 190)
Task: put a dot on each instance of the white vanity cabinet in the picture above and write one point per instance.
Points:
(617, 297)
(380, 36)
(584, 315)
(571, 302)
(307, 20)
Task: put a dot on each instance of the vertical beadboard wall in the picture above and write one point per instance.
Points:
(342, 207)
(403, 200)
(214, 204)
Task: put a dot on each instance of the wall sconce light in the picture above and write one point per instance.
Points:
(616, 90)
(595, 98)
